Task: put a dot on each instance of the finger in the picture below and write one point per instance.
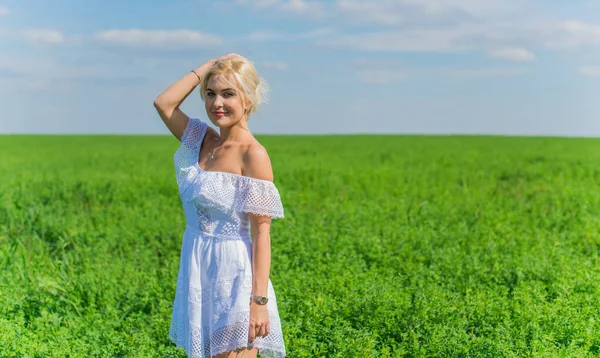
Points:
(251, 333)
(258, 330)
(267, 329)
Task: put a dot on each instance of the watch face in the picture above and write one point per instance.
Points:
(260, 300)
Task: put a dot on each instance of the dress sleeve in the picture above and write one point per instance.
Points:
(260, 197)
(193, 132)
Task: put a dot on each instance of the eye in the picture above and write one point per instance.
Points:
(210, 94)
(228, 94)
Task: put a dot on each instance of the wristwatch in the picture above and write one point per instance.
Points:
(261, 300)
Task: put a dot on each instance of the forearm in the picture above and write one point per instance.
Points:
(261, 264)
(173, 96)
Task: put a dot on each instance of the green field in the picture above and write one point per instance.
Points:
(392, 246)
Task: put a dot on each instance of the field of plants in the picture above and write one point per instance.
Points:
(392, 246)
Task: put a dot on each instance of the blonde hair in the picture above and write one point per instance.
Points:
(245, 79)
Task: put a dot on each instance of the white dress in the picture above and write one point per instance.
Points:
(211, 310)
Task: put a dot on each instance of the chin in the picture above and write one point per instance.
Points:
(222, 122)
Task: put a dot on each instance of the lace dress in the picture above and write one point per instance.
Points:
(211, 310)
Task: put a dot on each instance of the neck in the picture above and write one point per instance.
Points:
(235, 133)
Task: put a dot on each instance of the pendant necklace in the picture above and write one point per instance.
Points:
(212, 155)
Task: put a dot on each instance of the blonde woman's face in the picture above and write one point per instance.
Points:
(223, 102)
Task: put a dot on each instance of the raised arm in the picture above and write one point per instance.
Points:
(167, 103)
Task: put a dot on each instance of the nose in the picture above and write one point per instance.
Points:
(217, 102)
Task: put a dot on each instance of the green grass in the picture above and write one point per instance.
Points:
(392, 246)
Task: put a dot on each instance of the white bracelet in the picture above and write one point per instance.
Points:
(200, 79)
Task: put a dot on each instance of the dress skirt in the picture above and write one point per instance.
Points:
(211, 310)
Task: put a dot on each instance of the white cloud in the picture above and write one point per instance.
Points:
(512, 54)
(281, 66)
(378, 71)
(426, 40)
(377, 62)
(449, 25)
(508, 37)
(388, 12)
(130, 38)
(4, 11)
(259, 4)
(303, 7)
(385, 71)
(264, 3)
(311, 9)
(393, 12)
(589, 70)
(157, 38)
(573, 34)
(268, 35)
(44, 36)
(482, 72)
(369, 12)
(42, 72)
(318, 32)
(48, 73)
(380, 77)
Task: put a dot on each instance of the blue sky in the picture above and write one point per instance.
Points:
(517, 67)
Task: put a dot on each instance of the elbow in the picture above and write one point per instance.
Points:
(162, 110)
(158, 103)
(164, 103)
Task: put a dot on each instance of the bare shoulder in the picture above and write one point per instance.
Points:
(257, 163)
(210, 136)
(211, 132)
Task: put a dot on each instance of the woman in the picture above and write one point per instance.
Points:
(225, 305)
